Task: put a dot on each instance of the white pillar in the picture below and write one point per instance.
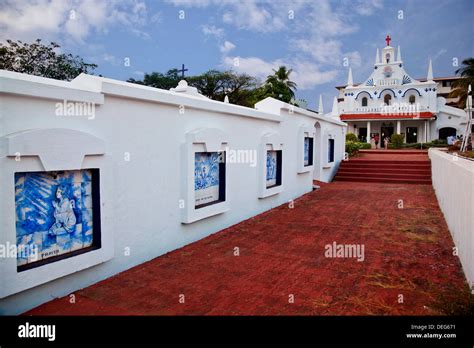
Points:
(368, 132)
(426, 131)
(398, 127)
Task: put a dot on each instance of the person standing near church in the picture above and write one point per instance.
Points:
(372, 143)
(376, 138)
(386, 141)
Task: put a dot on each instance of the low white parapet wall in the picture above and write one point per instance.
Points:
(453, 182)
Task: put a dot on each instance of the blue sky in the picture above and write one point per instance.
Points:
(311, 37)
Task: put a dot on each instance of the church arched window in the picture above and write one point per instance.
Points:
(364, 101)
(387, 57)
(412, 99)
(387, 99)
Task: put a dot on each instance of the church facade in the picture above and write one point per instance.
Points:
(391, 101)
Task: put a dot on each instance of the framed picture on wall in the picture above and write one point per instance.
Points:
(57, 215)
(308, 151)
(209, 178)
(273, 168)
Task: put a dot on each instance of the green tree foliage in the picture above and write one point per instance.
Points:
(212, 84)
(351, 137)
(460, 86)
(279, 85)
(241, 89)
(159, 80)
(41, 60)
(397, 140)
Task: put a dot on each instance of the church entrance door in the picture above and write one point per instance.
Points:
(385, 132)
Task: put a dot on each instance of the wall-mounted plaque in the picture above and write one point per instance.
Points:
(308, 151)
(209, 179)
(55, 215)
(273, 172)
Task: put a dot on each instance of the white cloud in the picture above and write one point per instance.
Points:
(253, 15)
(156, 18)
(316, 46)
(111, 59)
(227, 46)
(189, 3)
(18, 19)
(439, 54)
(367, 7)
(253, 66)
(50, 19)
(306, 74)
(212, 31)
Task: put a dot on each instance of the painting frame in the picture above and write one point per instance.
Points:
(96, 242)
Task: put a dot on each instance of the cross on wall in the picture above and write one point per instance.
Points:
(182, 70)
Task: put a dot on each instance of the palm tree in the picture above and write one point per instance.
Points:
(280, 86)
(467, 78)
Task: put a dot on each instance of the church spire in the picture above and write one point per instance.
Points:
(399, 54)
(350, 82)
(320, 109)
(429, 77)
(377, 57)
(335, 111)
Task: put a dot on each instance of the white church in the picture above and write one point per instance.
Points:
(391, 101)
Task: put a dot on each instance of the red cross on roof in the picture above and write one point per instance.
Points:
(388, 39)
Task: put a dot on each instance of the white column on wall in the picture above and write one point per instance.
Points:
(398, 127)
(368, 132)
(426, 131)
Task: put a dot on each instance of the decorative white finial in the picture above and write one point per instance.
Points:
(377, 57)
(226, 99)
(320, 109)
(349, 78)
(335, 111)
(399, 54)
(429, 77)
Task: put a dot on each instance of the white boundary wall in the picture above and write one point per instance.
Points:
(140, 197)
(453, 182)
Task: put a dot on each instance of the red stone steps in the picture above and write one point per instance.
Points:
(378, 162)
(407, 171)
(394, 152)
(369, 167)
(398, 175)
(359, 171)
(385, 180)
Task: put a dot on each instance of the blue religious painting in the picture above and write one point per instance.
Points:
(53, 214)
(207, 177)
(306, 151)
(272, 162)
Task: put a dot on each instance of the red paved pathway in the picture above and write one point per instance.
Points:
(407, 252)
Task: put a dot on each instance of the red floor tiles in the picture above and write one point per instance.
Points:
(409, 267)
